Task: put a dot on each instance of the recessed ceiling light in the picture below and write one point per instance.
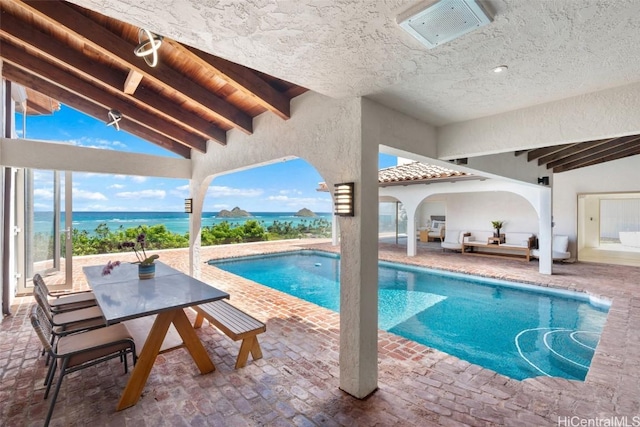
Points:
(500, 69)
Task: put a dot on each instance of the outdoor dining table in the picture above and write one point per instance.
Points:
(123, 296)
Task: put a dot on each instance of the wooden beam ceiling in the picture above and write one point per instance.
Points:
(21, 77)
(15, 56)
(246, 80)
(189, 98)
(56, 55)
(566, 157)
(107, 43)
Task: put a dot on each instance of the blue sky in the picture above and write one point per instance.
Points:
(262, 189)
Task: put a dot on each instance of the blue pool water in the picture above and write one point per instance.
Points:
(518, 330)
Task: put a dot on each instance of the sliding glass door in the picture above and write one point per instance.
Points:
(47, 227)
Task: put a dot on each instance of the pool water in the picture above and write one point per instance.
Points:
(518, 330)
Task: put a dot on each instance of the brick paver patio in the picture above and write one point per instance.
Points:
(296, 383)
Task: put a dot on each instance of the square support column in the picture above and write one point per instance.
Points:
(359, 284)
(545, 238)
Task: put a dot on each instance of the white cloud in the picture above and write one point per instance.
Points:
(101, 143)
(219, 191)
(41, 193)
(45, 177)
(115, 186)
(279, 198)
(183, 187)
(290, 192)
(87, 195)
(144, 194)
(139, 179)
(220, 206)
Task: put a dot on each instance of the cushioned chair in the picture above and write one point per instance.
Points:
(559, 248)
(453, 240)
(437, 233)
(81, 350)
(68, 322)
(66, 301)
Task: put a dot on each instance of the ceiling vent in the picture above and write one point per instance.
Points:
(444, 21)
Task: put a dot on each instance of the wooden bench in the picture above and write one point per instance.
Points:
(496, 250)
(236, 324)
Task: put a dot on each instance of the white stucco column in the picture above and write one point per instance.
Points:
(545, 239)
(359, 281)
(197, 192)
(411, 232)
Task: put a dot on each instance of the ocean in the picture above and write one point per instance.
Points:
(176, 222)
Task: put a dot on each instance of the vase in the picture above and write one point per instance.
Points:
(146, 271)
(496, 233)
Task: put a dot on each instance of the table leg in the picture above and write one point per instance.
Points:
(192, 342)
(148, 355)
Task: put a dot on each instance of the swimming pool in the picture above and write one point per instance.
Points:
(518, 330)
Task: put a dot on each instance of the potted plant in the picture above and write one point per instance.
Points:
(146, 265)
(497, 225)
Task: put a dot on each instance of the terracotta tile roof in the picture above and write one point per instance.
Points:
(417, 171)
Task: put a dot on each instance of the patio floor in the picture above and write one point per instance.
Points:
(296, 383)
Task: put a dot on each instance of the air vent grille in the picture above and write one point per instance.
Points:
(445, 21)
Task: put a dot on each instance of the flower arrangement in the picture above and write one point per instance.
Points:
(138, 248)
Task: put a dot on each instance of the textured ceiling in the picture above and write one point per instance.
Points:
(554, 49)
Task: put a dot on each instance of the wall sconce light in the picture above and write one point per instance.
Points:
(343, 194)
(114, 117)
(188, 206)
(148, 46)
(543, 180)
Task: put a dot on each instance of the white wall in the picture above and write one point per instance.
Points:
(598, 115)
(610, 177)
(472, 205)
(435, 205)
(475, 211)
(398, 134)
(510, 165)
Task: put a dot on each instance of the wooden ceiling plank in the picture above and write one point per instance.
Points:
(17, 75)
(37, 108)
(244, 78)
(612, 149)
(25, 35)
(539, 152)
(104, 41)
(628, 152)
(570, 150)
(132, 82)
(598, 149)
(49, 72)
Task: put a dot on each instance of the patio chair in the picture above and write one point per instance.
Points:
(68, 322)
(66, 301)
(80, 350)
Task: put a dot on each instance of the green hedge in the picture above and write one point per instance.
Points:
(103, 240)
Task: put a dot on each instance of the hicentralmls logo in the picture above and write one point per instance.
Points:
(622, 421)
